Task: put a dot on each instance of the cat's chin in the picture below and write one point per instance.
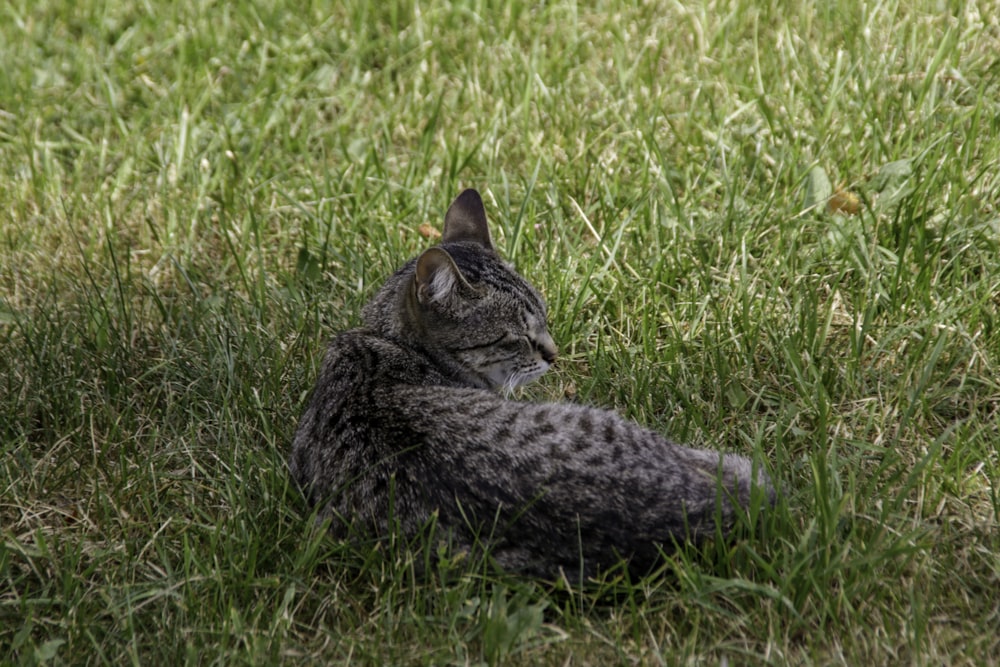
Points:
(507, 381)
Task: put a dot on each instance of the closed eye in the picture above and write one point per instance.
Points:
(481, 346)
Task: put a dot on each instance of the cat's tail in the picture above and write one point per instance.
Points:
(731, 486)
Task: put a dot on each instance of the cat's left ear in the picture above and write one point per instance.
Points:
(437, 277)
(465, 221)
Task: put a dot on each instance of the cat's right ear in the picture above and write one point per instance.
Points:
(437, 277)
(465, 221)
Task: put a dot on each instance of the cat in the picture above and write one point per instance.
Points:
(406, 424)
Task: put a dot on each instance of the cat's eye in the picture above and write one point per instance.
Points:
(479, 346)
(514, 341)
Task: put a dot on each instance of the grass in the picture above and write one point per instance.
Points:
(197, 194)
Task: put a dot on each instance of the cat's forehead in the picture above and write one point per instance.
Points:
(475, 263)
(484, 268)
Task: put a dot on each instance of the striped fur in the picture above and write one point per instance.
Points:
(405, 424)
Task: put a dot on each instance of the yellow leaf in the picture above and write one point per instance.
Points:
(843, 201)
(428, 231)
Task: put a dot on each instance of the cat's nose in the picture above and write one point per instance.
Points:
(547, 348)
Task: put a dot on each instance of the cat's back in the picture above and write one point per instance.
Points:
(348, 410)
(358, 366)
(361, 358)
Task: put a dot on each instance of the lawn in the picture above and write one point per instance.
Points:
(770, 228)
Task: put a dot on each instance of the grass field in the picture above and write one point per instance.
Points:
(766, 227)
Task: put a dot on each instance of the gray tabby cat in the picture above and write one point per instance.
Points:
(405, 423)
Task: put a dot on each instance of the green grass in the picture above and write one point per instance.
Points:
(195, 195)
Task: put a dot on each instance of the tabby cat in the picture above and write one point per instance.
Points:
(405, 423)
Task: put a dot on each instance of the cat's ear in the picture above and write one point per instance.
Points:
(437, 277)
(465, 221)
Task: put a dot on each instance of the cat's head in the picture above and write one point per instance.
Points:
(466, 308)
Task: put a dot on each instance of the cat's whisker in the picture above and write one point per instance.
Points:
(510, 383)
